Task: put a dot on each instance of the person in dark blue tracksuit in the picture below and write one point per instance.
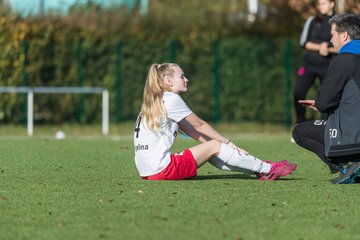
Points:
(315, 39)
(337, 140)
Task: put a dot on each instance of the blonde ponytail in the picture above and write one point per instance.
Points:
(153, 111)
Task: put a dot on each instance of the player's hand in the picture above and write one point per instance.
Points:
(309, 104)
(324, 51)
(241, 151)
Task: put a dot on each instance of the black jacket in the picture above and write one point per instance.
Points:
(339, 97)
(316, 30)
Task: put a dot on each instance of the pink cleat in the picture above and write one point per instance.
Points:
(283, 162)
(278, 169)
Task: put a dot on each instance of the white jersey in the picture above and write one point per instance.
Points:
(153, 149)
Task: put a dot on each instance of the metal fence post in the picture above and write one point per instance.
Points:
(24, 79)
(80, 75)
(172, 50)
(287, 56)
(216, 81)
(118, 49)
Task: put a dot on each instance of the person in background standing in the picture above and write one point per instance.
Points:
(315, 39)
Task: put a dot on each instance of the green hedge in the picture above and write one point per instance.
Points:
(252, 74)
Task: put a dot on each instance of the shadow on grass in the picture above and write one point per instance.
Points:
(236, 176)
(223, 176)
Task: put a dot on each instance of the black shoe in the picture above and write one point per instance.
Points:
(349, 174)
(335, 169)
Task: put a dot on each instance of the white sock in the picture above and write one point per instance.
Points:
(220, 164)
(233, 158)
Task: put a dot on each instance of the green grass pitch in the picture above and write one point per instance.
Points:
(90, 189)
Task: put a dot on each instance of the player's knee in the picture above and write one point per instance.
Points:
(215, 144)
(297, 133)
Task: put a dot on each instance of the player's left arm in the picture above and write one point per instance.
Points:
(200, 130)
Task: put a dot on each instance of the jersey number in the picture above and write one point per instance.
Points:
(333, 132)
(137, 128)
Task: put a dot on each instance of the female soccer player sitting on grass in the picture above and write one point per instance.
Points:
(163, 112)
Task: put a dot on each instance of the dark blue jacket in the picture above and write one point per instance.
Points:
(339, 97)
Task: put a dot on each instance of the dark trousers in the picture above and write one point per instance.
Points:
(307, 75)
(310, 135)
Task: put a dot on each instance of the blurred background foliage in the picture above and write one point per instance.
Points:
(114, 47)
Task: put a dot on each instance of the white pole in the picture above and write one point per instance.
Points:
(341, 6)
(253, 6)
(41, 7)
(30, 112)
(105, 112)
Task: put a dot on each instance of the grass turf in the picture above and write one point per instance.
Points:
(90, 189)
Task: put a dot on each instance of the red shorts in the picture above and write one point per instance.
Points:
(182, 166)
